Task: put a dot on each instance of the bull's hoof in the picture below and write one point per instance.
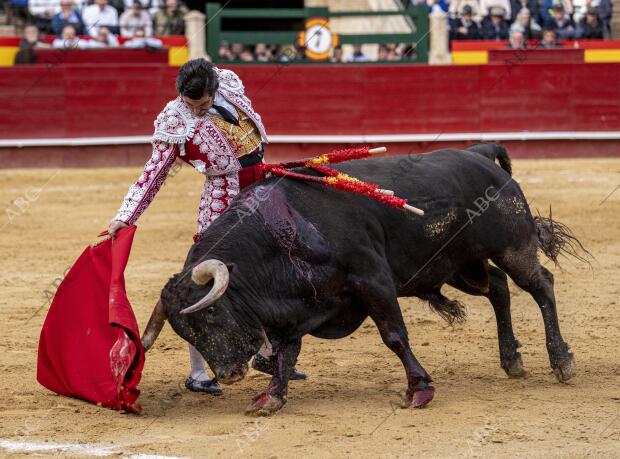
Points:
(419, 399)
(565, 371)
(515, 368)
(265, 405)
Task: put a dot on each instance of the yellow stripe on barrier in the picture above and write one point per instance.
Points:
(601, 55)
(7, 55)
(177, 56)
(470, 57)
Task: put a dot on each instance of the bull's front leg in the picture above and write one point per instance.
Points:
(275, 396)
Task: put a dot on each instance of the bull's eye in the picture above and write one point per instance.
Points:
(210, 310)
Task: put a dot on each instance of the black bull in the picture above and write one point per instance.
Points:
(291, 258)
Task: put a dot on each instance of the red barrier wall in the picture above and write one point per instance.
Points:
(119, 100)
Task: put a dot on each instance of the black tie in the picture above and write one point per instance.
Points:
(225, 114)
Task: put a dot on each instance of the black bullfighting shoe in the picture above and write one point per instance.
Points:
(265, 365)
(209, 386)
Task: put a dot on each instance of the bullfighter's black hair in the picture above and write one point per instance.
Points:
(196, 79)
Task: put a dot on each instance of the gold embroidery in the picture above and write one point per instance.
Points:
(243, 139)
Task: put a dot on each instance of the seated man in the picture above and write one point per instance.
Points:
(526, 25)
(134, 19)
(561, 23)
(169, 19)
(98, 15)
(495, 27)
(69, 40)
(590, 26)
(517, 41)
(68, 15)
(465, 28)
(549, 40)
(43, 11)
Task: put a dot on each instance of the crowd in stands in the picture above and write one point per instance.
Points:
(275, 53)
(101, 22)
(518, 21)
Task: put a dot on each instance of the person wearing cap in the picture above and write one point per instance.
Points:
(487, 5)
(496, 27)
(561, 23)
(455, 9)
(465, 28)
(590, 27)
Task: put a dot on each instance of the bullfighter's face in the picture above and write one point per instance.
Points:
(214, 331)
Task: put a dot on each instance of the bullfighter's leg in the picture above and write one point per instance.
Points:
(275, 396)
(389, 320)
(527, 272)
(499, 296)
(198, 379)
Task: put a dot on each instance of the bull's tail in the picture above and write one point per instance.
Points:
(493, 151)
(555, 239)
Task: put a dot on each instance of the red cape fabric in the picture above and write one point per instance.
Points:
(90, 345)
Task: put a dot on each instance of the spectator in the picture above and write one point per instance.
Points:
(393, 54)
(31, 39)
(465, 28)
(487, 5)
(246, 55)
(590, 27)
(337, 56)
(224, 52)
(517, 40)
(495, 28)
(546, 11)
(383, 53)
(99, 15)
(134, 19)
(43, 11)
(358, 55)
(526, 25)
(604, 15)
(561, 22)
(104, 39)
(20, 13)
(140, 40)
(457, 6)
(549, 40)
(169, 20)
(67, 15)
(262, 53)
(533, 6)
(68, 39)
(150, 6)
(235, 50)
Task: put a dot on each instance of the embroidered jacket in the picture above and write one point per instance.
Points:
(203, 142)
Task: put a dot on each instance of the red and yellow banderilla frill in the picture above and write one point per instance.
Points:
(339, 180)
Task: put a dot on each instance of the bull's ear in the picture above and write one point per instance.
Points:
(231, 268)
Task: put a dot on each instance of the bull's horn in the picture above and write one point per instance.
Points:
(203, 273)
(156, 323)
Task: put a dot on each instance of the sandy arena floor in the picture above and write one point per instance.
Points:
(348, 406)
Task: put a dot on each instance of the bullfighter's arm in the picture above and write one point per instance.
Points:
(142, 192)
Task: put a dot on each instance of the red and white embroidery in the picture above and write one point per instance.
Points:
(215, 199)
(174, 127)
(142, 192)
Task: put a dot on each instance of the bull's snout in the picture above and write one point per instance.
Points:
(234, 375)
